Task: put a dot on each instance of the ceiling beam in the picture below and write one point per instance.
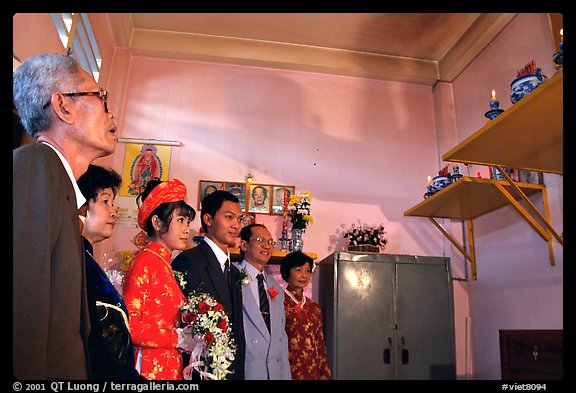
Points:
(471, 44)
(283, 56)
(258, 53)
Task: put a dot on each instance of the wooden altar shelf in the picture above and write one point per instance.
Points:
(470, 197)
(528, 135)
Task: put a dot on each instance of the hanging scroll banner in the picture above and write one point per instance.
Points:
(141, 163)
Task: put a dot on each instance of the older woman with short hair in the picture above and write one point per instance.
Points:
(306, 346)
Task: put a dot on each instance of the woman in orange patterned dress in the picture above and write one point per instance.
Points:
(151, 292)
(304, 327)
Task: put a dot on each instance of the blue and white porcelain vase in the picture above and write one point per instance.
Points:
(439, 182)
(297, 242)
(559, 56)
(525, 84)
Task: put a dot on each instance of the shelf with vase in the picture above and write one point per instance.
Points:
(528, 135)
(472, 197)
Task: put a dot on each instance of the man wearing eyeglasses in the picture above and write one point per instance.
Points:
(263, 305)
(67, 115)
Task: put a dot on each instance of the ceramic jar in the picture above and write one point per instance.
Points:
(525, 84)
(439, 182)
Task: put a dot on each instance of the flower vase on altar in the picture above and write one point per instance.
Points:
(527, 79)
(299, 211)
(366, 239)
(297, 242)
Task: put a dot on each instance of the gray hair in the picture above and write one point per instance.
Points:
(35, 80)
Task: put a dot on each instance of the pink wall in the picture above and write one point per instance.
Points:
(447, 137)
(351, 142)
(33, 34)
(516, 287)
(364, 148)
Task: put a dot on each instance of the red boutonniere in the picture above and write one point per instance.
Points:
(273, 292)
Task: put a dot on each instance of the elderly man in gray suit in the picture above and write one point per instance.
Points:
(66, 113)
(263, 305)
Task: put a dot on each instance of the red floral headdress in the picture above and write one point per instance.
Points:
(171, 190)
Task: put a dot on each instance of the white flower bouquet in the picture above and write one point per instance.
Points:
(215, 349)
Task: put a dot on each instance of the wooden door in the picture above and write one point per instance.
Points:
(531, 354)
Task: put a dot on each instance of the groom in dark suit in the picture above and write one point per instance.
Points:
(208, 266)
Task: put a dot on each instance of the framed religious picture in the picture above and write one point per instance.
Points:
(259, 198)
(281, 197)
(143, 162)
(207, 187)
(238, 189)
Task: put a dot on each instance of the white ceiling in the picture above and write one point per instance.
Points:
(420, 48)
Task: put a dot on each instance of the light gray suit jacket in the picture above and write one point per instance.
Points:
(266, 352)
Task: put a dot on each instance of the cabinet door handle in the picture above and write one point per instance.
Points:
(387, 356)
(404, 353)
(535, 352)
(387, 351)
(405, 356)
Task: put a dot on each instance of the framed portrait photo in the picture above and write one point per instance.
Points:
(238, 189)
(207, 187)
(247, 219)
(281, 197)
(259, 198)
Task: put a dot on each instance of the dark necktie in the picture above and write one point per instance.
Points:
(227, 272)
(264, 305)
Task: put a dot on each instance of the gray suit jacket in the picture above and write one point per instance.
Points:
(50, 310)
(266, 352)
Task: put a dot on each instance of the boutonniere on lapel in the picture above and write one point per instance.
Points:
(243, 277)
(273, 292)
(180, 279)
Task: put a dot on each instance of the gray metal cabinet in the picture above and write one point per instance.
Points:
(387, 316)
